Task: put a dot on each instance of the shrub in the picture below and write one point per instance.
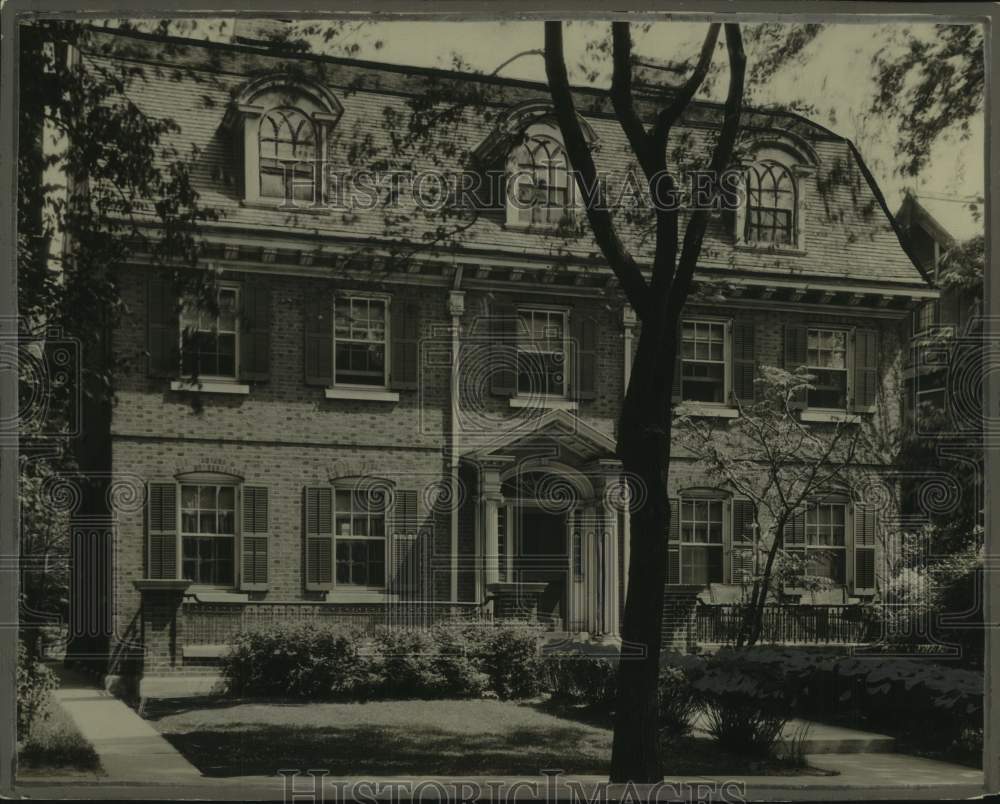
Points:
(679, 702)
(747, 709)
(416, 664)
(457, 665)
(298, 661)
(35, 682)
(509, 655)
(580, 679)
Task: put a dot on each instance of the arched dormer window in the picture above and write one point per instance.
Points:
(542, 191)
(773, 191)
(287, 141)
(771, 205)
(281, 125)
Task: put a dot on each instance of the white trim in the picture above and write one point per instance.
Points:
(210, 387)
(525, 310)
(376, 394)
(216, 595)
(360, 596)
(814, 415)
(544, 402)
(707, 409)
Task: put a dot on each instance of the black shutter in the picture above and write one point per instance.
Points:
(161, 530)
(744, 365)
(318, 328)
(254, 535)
(405, 334)
(585, 335)
(162, 328)
(504, 329)
(865, 369)
(865, 524)
(673, 543)
(796, 343)
(255, 333)
(795, 530)
(675, 390)
(318, 527)
(405, 572)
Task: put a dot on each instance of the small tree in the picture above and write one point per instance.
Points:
(778, 462)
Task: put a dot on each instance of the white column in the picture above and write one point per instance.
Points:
(609, 624)
(491, 553)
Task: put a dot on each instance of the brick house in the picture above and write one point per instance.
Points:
(359, 438)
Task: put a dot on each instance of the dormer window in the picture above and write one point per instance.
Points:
(287, 139)
(281, 125)
(541, 191)
(771, 215)
(771, 205)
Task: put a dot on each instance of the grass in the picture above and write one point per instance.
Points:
(384, 738)
(55, 744)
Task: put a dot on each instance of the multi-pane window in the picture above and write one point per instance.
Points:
(925, 316)
(209, 340)
(287, 140)
(541, 353)
(544, 190)
(359, 533)
(703, 361)
(208, 533)
(826, 359)
(359, 332)
(826, 537)
(770, 215)
(701, 524)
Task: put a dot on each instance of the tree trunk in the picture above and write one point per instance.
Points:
(644, 447)
(759, 599)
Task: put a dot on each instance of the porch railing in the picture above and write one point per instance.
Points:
(216, 623)
(791, 624)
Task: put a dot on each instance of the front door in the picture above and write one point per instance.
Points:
(542, 558)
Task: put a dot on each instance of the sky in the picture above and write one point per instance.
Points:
(833, 74)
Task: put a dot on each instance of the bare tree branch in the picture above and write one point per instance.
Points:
(667, 117)
(621, 262)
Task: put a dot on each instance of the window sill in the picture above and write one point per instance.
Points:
(278, 205)
(210, 387)
(204, 595)
(544, 403)
(373, 395)
(770, 248)
(343, 596)
(707, 411)
(829, 416)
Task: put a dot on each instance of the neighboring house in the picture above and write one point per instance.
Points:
(935, 225)
(357, 438)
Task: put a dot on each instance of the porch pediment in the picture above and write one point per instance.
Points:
(557, 434)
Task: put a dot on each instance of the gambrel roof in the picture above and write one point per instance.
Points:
(849, 235)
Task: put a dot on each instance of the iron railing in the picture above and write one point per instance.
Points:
(849, 624)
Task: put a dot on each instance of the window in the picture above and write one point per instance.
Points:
(541, 353)
(925, 317)
(359, 532)
(208, 533)
(770, 216)
(703, 361)
(826, 537)
(826, 359)
(209, 342)
(701, 523)
(287, 140)
(359, 334)
(542, 191)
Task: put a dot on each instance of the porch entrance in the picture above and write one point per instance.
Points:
(542, 558)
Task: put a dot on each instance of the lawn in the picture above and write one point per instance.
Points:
(55, 746)
(386, 738)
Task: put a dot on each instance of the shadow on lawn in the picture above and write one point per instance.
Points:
(360, 750)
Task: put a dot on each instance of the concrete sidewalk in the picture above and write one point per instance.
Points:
(128, 747)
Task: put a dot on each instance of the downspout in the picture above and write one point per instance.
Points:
(456, 307)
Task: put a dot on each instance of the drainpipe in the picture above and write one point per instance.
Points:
(456, 307)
